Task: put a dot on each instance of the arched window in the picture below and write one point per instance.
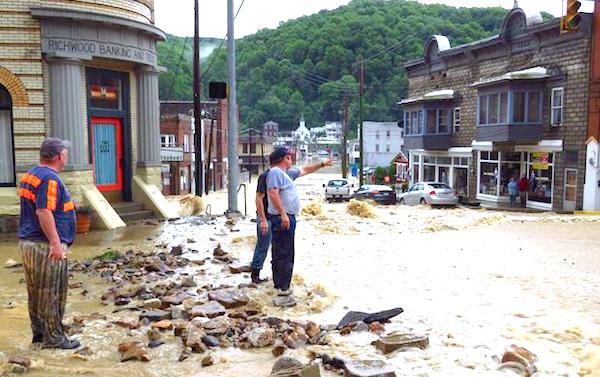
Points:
(7, 156)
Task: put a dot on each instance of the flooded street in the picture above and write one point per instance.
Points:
(474, 281)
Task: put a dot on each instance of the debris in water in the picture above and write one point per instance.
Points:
(519, 358)
(361, 209)
(190, 205)
(11, 263)
(313, 208)
(391, 343)
(383, 316)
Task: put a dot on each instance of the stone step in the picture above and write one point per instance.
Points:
(136, 215)
(127, 207)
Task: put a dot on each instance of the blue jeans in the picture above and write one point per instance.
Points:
(263, 241)
(283, 252)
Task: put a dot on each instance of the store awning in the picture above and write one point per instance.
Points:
(542, 146)
(451, 152)
(535, 73)
(436, 95)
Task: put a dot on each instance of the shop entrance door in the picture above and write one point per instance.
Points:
(444, 174)
(107, 153)
(570, 191)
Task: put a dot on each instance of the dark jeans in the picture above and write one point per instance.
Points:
(283, 252)
(523, 199)
(263, 241)
(513, 199)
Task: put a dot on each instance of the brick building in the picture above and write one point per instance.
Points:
(176, 146)
(178, 154)
(85, 71)
(511, 105)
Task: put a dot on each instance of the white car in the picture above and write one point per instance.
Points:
(338, 189)
(435, 193)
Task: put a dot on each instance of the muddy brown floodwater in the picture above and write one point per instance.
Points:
(473, 281)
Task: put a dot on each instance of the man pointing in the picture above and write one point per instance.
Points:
(284, 205)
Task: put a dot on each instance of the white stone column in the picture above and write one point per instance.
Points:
(65, 108)
(148, 132)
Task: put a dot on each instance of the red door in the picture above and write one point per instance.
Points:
(107, 153)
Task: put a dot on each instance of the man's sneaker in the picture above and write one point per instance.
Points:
(284, 292)
(64, 344)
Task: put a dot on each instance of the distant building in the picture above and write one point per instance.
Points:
(270, 130)
(383, 141)
(254, 151)
(176, 148)
(174, 145)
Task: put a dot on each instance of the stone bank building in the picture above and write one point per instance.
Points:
(85, 71)
(508, 106)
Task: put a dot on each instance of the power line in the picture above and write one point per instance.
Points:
(177, 69)
(214, 53)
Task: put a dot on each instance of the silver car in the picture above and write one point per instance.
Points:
(435, 193)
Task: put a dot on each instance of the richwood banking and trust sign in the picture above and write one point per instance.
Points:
(87, 49)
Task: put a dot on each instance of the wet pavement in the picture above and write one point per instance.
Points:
(473, 281)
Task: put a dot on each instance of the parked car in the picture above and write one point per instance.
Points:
(338, 189)
(435, 193)
(379, 193)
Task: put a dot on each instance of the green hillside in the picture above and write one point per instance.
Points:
(308, 65)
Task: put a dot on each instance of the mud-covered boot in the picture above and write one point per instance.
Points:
(255, 276)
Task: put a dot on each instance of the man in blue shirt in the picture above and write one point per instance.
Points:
(46, 229)
(263, 229)
(284, 205)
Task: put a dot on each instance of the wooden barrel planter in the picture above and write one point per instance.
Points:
(84, 220)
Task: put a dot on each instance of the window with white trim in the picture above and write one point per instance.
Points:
(186, 143)
(376, 147)
(456, 120)
(556, 117)
(376, 134)
(167, 140)
(387, 148)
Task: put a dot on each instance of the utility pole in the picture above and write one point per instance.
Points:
(208, 169)
(232, 138)
(250, 155)
(262, 151)
(361, 83)
(198, 166)
(344, 141)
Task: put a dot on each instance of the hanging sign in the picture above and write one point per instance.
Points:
(540, 160)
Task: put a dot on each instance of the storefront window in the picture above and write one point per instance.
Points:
(488, 178)
(429, 173)
(444, 174)
(415, 175)
(540, 167)
(444, 160)
(508, 170)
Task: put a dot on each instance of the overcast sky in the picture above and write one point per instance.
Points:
(177, 16)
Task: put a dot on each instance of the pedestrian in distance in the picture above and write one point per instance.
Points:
(46, 230)
(512, 191)
(263, 229)
(284, 205)
(523, 187)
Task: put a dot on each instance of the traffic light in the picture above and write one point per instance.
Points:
(570, 22)
(217, 90)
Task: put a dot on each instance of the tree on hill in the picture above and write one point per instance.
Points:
(307, 66)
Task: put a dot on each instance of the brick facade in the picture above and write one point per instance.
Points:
(566, 57)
